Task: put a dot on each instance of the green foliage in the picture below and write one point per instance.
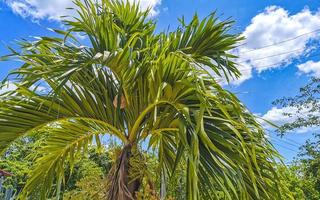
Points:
(87, 180)
(307, 101)
(306, 168)
(86, 173)
(299, 183)
(308, 164)
(293, 182)
(16, 162)
(93, 166)
(144, 89)
(87, 188)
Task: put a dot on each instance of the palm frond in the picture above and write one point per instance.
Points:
(60, 147)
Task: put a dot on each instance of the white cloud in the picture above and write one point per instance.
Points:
(41, 9)
(54, 9)
(8, 86)
(310, 67)
(275, 25)
(40, 88)
(276, 116)
(145, 4)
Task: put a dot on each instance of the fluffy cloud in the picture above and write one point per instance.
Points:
(276, 116)
(40, 9)
(145, 4)
(310, 67)
(9, 86)
(54, 9)
(275, 25)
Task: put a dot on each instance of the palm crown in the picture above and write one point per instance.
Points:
(145, 89)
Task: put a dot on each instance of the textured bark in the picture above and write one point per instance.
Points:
(118, 178)
(134, 187)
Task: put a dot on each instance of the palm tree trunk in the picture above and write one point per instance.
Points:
(119, 185)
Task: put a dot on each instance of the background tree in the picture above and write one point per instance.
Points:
(153, 92)
(301, 186)
(307, 165)
(17, 163)
(307, 107)
(87, 171)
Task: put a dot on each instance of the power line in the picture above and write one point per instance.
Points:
(280, 42)
(280, 145)
(285, 142)
(274, 55)
(277, 63)
(266, 66)
(289, 141)
(293, 141)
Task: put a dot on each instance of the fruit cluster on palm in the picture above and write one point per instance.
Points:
(150, 91)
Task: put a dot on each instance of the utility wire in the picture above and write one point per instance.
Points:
(280, 42)
(277, 63)
(274, 55)
(293, 141)
(285, 142)
(280, 145)
(267, 66)
(286, 139)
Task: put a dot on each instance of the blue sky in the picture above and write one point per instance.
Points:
(268, 73)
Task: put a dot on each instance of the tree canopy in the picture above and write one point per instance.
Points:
(306, 166)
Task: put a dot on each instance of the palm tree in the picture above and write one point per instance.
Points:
(147, 90)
